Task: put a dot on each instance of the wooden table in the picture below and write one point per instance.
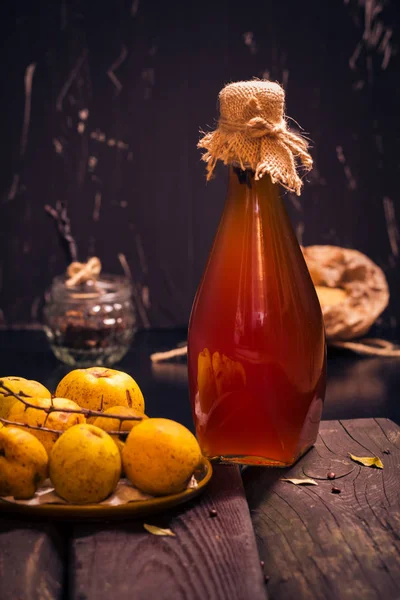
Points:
(314, 543)
(319, 544)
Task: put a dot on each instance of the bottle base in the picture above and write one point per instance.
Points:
(255, 461)
(260, 461)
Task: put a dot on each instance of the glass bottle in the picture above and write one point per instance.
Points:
(256, 346)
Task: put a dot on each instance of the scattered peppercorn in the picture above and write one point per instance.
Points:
(262, 563)
(336, 490)
(266, 578)
(331, 475)
(213, 513)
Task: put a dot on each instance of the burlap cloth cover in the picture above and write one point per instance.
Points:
(253, 133)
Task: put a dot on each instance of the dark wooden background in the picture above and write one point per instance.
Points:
(101, 105)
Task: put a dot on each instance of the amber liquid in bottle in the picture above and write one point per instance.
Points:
(256, 335)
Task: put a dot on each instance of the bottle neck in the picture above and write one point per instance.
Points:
(243, 187)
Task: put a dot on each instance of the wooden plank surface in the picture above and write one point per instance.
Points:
(319, 544)
(31, 561)
(213, 558)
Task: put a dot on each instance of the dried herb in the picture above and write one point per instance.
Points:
(367, 461)
(306, 481)
(154, 530)
(61, 218)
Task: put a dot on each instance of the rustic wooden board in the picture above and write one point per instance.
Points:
(31, 561)
(317, 544)
(213, 558)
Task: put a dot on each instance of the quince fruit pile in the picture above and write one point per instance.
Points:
(85, 452)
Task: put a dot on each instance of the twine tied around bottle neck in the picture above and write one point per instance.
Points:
(252, 132)
(78, 273)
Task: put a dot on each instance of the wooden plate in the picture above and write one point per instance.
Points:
(132, 510)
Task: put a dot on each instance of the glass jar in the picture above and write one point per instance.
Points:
(90, 324)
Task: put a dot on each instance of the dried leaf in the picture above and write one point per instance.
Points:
(158, 530)
(192, 483)
(367, 461)
(306, 481)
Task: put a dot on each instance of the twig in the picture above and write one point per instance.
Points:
(139, 303)
(47, 430)
(368, 347)
(81, 411)
(160, 356)
(61, 218)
